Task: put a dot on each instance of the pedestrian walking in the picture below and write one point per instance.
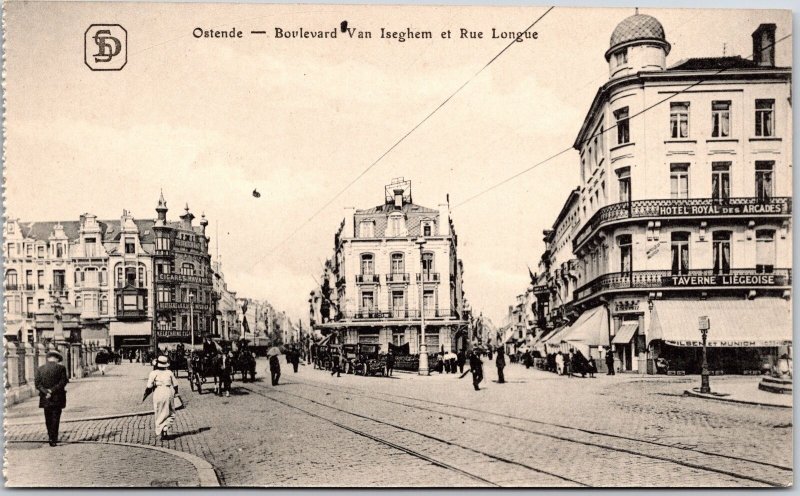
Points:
(592, 367)
(389, 363)
(51, 380)
(559, 363)
(461, 360)
(295, 360)
(225, 367)
(164, 387)
(476, 366)
(610, 361)
(102, 360)
(501, 364)
(275, 369)
(336, 359)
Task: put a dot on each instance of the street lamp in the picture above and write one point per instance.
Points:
(704, 386)
(191, 317)
(423, 347)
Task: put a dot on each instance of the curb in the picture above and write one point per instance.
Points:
(205, 471)
(11, 423)
(731, 400)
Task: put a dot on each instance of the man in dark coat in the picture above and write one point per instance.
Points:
(501, 364)
(209, 348)
(461, 360)
(389, 363)
(51, 381)
(476, 366)
(275, 369)
(224, 364)
(610, 361)
(295, 359)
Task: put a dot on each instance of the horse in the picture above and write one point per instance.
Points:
(244, 362)
(201, 367)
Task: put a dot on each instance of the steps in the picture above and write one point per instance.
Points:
(776, 385)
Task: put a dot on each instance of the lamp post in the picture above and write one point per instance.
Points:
(423, 347)
(704, 386)
(191, 317)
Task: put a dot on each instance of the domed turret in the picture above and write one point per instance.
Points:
(637, 44)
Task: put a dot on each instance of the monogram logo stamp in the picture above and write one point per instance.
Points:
(105, 47)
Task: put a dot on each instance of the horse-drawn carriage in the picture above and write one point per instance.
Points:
(368, 360)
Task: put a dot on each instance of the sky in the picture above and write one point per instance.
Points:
(209, 120)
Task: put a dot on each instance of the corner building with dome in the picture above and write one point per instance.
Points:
(683, 211)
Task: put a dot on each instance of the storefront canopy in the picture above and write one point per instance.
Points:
(591, 328)
(130, 329)
(762, 322)
(625, 333)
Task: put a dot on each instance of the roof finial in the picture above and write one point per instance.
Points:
(636, 10)
(187, 207)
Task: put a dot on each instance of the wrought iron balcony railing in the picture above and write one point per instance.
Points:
(397, 277)
(398, 314)
(661, 279)
(428, 277)
(368, 279)
(689, 207)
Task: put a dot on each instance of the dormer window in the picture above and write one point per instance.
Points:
(427, 228)
(397, 226)
(366, 229)
(130, 246)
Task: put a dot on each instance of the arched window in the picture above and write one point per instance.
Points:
(103, 277)
(187, 269)
(120, 276)
(104, 305)
(367, 264)
(142, 276)
(78, 276)
(11, 279)
(398, 263)
(78, 302)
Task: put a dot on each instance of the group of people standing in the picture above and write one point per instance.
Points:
(571, 363)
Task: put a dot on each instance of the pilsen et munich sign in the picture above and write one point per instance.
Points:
(725, 280)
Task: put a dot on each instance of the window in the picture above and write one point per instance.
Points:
(624, 179)
(78, 302)
(396, 225)
(29, 279)
(722, 252)
(680, 253)
(59, 280)
(59, 250)
(765, 251)
(621, 57)
(623, 126)
(142, 277)
(28, 250)
(11, 250)
(187, 269)
(679, 180)
(398, 263)
(427, 264)
(721, 181)
(40, 279)
(625, 253)
(765, 118)
(39, 303)
(40, 251)
(104, 305)
(11, 279)
(720, 119)
(130, 246)
(429, 303)
(398, 303)
(764, 182)
(679, 120)
(367, 301)
(366, 229)
(78, 277)
(103, 277)
(164, 295)
(90, 247)
(29, 304)
(90, 277)
(162, 244)
(162, 268)
(367, 264)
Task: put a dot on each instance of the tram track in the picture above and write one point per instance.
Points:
(605, 442)
(408, 450)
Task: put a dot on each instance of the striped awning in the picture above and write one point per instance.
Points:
(761, 322)
(625, 333)
(591, 328)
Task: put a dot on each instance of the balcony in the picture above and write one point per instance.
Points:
(401, 314)
(368, 279)
(29, 287)
(683, 208)
(428, 277)
(698, 278)
(125, 314)
(12, 287)
(397, 278)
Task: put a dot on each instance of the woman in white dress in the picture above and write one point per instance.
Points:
(164, 388)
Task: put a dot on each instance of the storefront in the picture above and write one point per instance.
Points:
(745, 336)
(131, 336)
(589, 335)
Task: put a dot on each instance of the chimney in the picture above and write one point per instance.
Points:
(398, 199)
(764, 45)
(187, 219)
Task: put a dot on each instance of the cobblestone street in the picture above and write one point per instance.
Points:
(318, 430)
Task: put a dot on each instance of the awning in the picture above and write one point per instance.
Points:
(625, 333)
(130, 329)
(591, 328)
(762, 322)
(555, 338)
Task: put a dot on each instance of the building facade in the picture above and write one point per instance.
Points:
(227, 324)
(684, 207)
(391, 263)
(184, 284)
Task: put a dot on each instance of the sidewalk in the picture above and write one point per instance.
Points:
(116, 393)
(741, 390)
